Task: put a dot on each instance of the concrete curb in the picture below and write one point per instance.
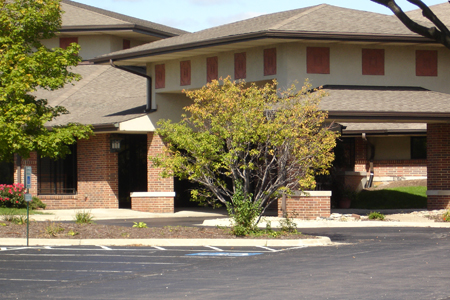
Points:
(320, 241)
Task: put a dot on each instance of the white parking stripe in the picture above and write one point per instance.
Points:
(56, 270)
(38, 280)
(3, 249)
(214, 248)
(159, 248)
(99, 262)
(105, 248)
(267, 248)
(47, 247)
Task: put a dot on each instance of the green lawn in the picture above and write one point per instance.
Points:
(20, 211)
(401, 197)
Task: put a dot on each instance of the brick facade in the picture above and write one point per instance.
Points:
(153, 204)
(438, 158)
(306, 207)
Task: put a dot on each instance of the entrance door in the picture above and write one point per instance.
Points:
(132, 167)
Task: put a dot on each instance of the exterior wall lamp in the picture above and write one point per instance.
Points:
(115, 143)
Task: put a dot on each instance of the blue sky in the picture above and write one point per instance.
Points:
(194, 15)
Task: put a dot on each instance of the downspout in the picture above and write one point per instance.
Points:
(149, 107)
(372, 155)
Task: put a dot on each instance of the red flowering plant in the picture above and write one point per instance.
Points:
(12, 195)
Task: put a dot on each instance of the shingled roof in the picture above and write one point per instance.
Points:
(315, 22)
(442, 11)
(103, 96)
(373, 103)
(79, 16)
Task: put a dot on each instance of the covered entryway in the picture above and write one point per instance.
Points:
(132, 167)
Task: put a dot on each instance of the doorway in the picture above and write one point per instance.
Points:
(132, 167)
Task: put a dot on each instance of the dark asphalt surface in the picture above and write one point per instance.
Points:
(372, 263)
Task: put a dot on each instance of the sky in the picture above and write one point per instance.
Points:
(195, 15)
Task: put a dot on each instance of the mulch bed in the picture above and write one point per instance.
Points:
(58, 230)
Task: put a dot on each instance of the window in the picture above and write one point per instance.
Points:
(126, 44)
(373, 61)
(240, 65)
(58, 177)
(418, 147)
(318, 60)
(426, 63)
(66, 41)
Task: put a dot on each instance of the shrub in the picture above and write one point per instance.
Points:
(140, 225)
(83, 217)
(446, 216)
(376, 216)
(37, 203)
(12, 195)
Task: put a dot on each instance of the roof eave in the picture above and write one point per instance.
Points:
(267, 34)
(119, 27)
(392, 117)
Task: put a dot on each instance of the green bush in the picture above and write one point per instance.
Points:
(83, 217)
(37, 203)
(376, 216)
(244, 212)
(446, 216)
(12, 195)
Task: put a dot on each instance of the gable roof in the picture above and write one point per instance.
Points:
(103, 97)
(442, 11)
(81, 17)
(320, 22)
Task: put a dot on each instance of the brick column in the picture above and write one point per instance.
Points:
(438, 163)
(160, 196)
(307, 205)
(361, 163)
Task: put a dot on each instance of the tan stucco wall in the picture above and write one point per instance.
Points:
(345, 67)
(391, 148)
(94, 45)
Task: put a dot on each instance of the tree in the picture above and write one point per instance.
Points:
(27, 65)
(440, 33)
(267, 141)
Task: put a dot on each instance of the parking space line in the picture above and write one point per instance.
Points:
(270, 249)
(105, 248)
(47, 247)
(159, 248)
(100, 262)
(37, 280)
(56, 270)
(214, 248)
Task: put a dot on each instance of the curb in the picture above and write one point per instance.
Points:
(319, 241)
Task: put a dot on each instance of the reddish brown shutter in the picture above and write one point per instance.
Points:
(240, 65)
(126, 44)
(373, 61)
(270, 61)
(318, 60)
(426, 63)
(160, 76)
(212, 68)
(185, 72)
(64, 42)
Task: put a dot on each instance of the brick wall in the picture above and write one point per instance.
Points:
(306, 207)
(400, 168)
(153, 204)
(438, 159)
(360, 155)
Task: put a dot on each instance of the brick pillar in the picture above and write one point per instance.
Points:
(438, 163)
(98, 178)
(160, 196)
(361, 163)
(32, 162)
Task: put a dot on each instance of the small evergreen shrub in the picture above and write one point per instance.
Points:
(376, 216)
(83, 217)
(446, 216)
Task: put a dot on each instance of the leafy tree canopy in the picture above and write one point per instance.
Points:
(267, 140)
(27, 65)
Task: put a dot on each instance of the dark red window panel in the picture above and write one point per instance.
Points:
(126, 44)
(240, 65)
(212, 68)
(373, 61)
(64, 42)
(318, 60)
(185, 72)
(270, 61)
(160, 76)
(426, 63)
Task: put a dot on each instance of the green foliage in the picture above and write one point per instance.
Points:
(243, 212)
(288, 225)
(270, 140)
(72, 233)
(53, 229)
(2, 224)
(26, 65)
(83, 217)
(401, 197)
(12, 195)
(14, 216)
(376, 216)
(37, 203)
(446, 216)
(140, 225)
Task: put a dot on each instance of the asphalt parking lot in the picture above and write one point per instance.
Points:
(368, 263)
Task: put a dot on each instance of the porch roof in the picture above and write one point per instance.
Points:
(367, 104)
